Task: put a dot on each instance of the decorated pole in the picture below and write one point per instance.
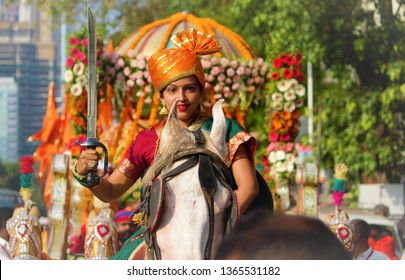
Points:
(24, 228)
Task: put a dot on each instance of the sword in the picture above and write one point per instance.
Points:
(92, 178)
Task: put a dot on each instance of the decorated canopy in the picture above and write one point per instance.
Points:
(156, 36)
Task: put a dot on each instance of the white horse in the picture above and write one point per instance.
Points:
(189, 202)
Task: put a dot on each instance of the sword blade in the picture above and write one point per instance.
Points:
(92, 74)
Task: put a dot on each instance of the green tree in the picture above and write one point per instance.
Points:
(357, 49)
(10, 175)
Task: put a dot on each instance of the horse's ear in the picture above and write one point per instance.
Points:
(218, 130)
(171, 127)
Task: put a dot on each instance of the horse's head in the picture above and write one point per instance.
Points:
(187, 204)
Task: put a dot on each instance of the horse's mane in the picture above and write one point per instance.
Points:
(183, 139)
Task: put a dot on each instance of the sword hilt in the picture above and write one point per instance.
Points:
(93, 178)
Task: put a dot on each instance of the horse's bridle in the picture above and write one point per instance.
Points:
(211, 168)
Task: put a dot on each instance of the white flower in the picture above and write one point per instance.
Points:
(140, 82)
(68, 76)
(130, 53)
(76, 89)
(133, 63)
(278, 106)
(148, 100)
(78, 68)
(81, 80)
(240, 71)
(130, 83)
(235, 86)
(230, 72)
(217, 96)
(290, 167)
(289, 107)
(127, 71)
(280, 167)
(277, 97)
(272, 157)
(290, 158)
(293, 83)
(299, 103)
(289, 95)
(142, 64)
(148, 89)
(280, 155)
(300, 90)
(283, 86)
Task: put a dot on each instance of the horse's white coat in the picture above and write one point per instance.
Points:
(184, 225)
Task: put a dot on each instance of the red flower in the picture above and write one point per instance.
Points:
(273, 136)
(288, 74)
(85, 42)
(277, 62)
(26, 165)
(300, 77)
(74, 52)
(73, 41)
(287, 59)
(80, 56)
(70, 62)
(298, 56)
(285, 137)
(275, 76)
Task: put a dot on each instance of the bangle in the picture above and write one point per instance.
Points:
(82, 179)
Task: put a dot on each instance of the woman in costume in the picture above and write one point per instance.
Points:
(177, 73)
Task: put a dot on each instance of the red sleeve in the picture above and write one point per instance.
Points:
(140, 155)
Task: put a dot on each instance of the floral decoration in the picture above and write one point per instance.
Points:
(26, 177)
(74, 149)
(339, 184)
(283, 158)
(287, 99)
(75, 77)
(236, 81)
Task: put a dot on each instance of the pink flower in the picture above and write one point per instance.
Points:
(337, 198)
(230, 72)
(273, 136)
(80, 56)
(127, 71)
(74, 52)
(85, 42)
(70, 62)
(74, 41)
(234, 64)
(240, 71)
(271, 147)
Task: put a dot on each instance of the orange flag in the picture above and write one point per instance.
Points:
(48, 135)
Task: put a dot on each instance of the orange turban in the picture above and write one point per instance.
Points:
(169, 65)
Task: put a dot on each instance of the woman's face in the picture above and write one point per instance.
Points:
(188, 91)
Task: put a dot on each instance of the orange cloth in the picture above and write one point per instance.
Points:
(384, 245)
(169, 65)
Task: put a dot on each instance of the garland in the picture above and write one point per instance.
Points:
(26, 177)
(339, 184)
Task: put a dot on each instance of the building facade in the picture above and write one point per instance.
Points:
(27, 56)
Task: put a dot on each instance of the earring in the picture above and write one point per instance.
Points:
(164, 110)
(202, 108)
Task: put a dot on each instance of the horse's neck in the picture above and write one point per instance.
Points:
(184, 225)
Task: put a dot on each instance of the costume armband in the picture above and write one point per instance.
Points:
(82, 179)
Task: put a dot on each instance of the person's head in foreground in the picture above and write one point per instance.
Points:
(281, 237)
